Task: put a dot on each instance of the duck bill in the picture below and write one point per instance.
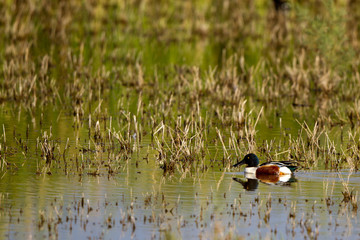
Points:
(239, 163)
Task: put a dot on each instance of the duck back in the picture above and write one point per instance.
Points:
(287, 164)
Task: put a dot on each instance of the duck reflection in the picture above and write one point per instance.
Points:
(251, 181)
(248, 184)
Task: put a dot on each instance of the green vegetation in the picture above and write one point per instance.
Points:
(186, 75)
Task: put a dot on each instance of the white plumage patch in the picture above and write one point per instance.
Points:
(250, 170)
(285, 170)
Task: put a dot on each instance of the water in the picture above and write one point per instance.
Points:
(186, 207)
(138, 201)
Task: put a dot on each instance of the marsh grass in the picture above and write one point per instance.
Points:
(348, 193)
(326, 36)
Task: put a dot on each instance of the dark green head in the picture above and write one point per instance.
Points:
(251, 160)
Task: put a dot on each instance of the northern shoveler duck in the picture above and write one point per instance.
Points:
(250, 183)
(269, 168)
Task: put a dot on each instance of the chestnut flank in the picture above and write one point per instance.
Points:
(268, 170)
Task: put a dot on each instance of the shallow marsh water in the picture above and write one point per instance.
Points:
(140, 202)
(210, 206)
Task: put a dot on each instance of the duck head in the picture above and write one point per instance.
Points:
(251, 160)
